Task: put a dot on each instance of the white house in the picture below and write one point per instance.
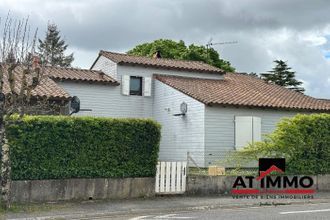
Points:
(224, 111)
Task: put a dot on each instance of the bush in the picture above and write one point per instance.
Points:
(56, 147)
(303, 140)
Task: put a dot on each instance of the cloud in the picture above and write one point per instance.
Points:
(292, 30)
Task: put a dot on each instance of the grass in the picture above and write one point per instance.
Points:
(229, 171)
(34, 207)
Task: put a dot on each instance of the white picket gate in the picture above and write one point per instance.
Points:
(171, 177)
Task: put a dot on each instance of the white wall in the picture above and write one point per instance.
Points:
(107, 66)
(179, 133)
(220, 126)
(107, 101)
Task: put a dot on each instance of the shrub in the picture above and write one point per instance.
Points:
(56, 147)
(303, 140)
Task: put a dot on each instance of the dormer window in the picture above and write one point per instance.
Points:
(135, 85)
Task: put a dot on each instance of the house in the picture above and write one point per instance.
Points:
(202, 109)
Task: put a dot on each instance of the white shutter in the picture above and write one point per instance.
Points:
(243, 131)
(125, 84)
(256, 129)
(147, 86)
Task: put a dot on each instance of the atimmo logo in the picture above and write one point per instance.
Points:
(276, 186)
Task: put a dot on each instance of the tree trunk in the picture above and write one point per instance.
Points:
(5, 169)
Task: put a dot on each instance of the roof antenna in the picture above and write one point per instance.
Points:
(209, 44)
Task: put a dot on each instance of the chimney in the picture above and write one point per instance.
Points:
(157, 55)
(35, 61)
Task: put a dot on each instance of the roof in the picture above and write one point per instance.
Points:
(50, 89)
(243, 90)
(195, 66)
(76, 74)
(47, 88)
(325, 100)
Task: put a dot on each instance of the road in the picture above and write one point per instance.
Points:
(286, 212)
(179, 207)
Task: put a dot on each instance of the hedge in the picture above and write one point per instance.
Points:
(57, 147)
(304, 141)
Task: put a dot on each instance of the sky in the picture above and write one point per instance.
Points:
(296, 31)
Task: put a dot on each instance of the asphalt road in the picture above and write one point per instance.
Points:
(286, 212)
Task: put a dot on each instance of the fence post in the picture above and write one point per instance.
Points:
(187, 168)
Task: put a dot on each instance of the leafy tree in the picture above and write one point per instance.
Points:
(282, 75)
(52, 48)
(178, 50)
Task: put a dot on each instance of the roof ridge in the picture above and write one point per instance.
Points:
(185, 77)
(74, 68)
(170, 59)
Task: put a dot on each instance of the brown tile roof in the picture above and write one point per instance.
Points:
(325, 100)
(243, 90)
(50, 89)
(195, 66)
(79, 75)
(46, 88)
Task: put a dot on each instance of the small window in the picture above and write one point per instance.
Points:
(135, 85)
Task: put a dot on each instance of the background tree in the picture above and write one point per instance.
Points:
(52, 48)
(178, 50)
(282, 75)
(20, 74)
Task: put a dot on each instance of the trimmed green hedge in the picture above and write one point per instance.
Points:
(56, 147)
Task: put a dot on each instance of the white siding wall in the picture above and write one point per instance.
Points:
(179, 134)
(107, 66)
(107, 101)
(220, 126)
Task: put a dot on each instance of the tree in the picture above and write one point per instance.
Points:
(282, 75)
(52, 48)
(20, 74)
(178, 50)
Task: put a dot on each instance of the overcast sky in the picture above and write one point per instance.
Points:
(293, 30)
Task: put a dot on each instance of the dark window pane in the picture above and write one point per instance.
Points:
(135, 85)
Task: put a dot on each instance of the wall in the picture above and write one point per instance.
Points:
(107, 66)
(179, 133)
(107, 101)
(81, 189)
(220, 126)
(213, 185)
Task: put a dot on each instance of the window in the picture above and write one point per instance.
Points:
(135, 85)
(247, 130)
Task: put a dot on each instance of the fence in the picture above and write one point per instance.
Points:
(199, 161)
(171, 177)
